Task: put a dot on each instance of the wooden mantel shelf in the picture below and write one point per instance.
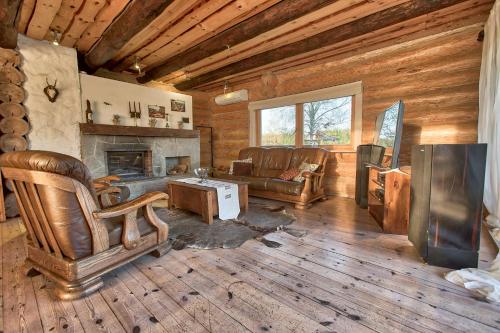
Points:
(101, 129)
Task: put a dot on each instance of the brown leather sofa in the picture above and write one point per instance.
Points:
(268, 163)
(71, 239)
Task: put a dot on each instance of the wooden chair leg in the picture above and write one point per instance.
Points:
(162, 249)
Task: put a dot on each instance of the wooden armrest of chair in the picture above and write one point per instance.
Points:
(130, 233)
(107, 196)
(107, 179)
(130, 206)
(106, 190)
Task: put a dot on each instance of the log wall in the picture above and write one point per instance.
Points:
(202, 117)
(436, 76)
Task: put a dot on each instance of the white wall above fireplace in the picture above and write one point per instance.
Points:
(99, 91)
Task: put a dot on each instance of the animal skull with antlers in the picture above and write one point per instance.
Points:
(51, 91)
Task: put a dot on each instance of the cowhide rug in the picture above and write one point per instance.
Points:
(187, 229)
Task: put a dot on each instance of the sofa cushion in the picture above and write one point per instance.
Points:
(255, 153)
(305, 167)
(242, 169)
(255, 183)
(307, 155)
(289, 174)
(285, 187)
(246, 160)
(274, 162)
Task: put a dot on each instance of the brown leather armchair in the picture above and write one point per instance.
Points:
(71, 240)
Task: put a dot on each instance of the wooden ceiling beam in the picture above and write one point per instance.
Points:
(64, 16)
(444, 17)
(232, 14)
(163, 24)
(134, 18)
(275, 16)
(27, 9)
(393, 37)
(43, 15)
(328, 18)
(84, 17)
(380, 20)
(9, 10)
(390, 37)
(102, 21)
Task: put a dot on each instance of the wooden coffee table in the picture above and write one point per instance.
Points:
(202, 200)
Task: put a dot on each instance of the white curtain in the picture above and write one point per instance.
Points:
(486, 283)
(489, 113)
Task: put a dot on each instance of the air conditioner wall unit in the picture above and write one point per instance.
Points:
(232, 97)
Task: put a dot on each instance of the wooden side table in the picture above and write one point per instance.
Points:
(202, 200)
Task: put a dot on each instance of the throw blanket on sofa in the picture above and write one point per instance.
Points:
(227, 196)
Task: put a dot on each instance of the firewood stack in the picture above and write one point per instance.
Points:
(13, 122)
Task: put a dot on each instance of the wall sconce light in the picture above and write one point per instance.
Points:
(56, 37)
(137, 65)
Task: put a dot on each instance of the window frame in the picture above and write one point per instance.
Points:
(351, 89)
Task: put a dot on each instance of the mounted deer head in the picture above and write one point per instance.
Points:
(51, 91)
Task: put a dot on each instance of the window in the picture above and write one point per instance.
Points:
(329, 117)
(328, 122)
(278, 126)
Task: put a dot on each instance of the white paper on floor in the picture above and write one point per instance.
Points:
(484, 283)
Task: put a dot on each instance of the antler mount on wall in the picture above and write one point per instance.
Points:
(51, 91)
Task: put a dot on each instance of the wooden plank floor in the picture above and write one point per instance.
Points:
(343, 276)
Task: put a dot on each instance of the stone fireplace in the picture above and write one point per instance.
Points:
(136, 157)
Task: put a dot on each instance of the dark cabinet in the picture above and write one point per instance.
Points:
(447, 185)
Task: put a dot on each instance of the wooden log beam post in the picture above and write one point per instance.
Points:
(338, 34)
(277, 15)
(136, 16)
(8, 24)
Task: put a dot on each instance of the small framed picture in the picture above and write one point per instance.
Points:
(177, 105)
(185, 120)
(156, 111)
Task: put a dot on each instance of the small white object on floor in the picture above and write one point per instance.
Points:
(227, 196)
(483, 283)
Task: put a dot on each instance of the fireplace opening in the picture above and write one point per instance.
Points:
(129, 164)
(176, 165)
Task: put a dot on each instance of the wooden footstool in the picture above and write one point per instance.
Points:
(202, 200)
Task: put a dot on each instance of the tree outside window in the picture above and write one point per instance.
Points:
(278, 126)
(388, 127)
(328, 122)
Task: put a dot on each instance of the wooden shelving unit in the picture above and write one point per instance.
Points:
(389, 198)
